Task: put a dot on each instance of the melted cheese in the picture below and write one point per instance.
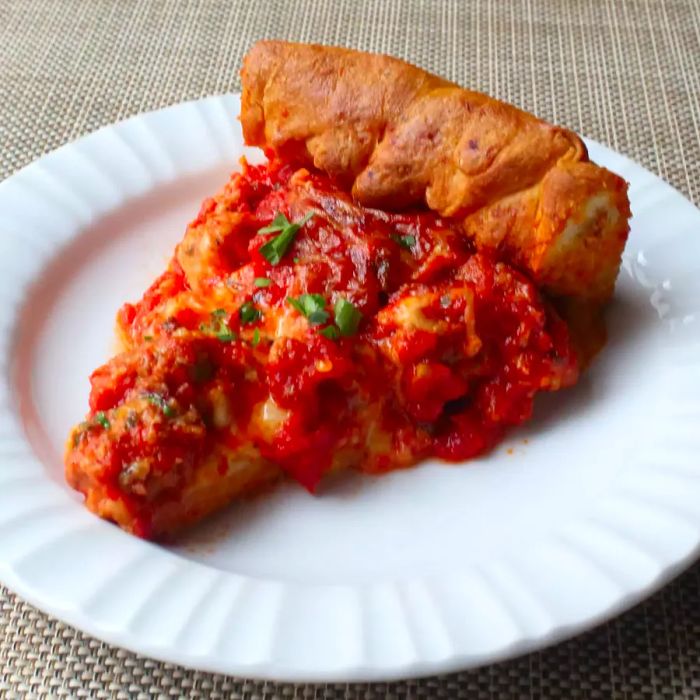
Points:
(408, 313)
(267, 419)
(289, 324)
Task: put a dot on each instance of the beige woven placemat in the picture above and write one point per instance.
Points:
(624, 72)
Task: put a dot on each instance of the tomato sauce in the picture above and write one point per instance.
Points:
(314, 334)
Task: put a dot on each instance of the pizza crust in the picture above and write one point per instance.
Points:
(399, 137)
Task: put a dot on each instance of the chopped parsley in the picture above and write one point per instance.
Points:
(330, 332)
(408, 241)
(262, 282)
(148, 338)
(249, 313)
(312, 307)
(256, 338)
(226, 336)
(218, 327)
(347, 317)
(274, 250)
(161, 402)
(102, 419)
(279, 223)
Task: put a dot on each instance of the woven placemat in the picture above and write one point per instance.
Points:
(625, 73)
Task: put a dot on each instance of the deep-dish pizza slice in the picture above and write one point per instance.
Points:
(400, 137)
(299, 331)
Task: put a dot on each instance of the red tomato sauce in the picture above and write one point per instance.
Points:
(450, 348)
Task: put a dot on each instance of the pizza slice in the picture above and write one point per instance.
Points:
(329, 311)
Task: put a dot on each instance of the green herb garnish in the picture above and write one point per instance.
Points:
(218, 327)
(330, 332)
(102, 419)
(279, 223)
(311, 306)
(256, 338)
(161, 402)
(273, 251)
(408, 241)
(249, 313)
(347, 317)
(262, 282)
(148, 338)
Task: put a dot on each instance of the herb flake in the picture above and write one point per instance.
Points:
(161, 402)
(274, 250)
(279, 223)
(312, 307)
(347, 317)
(218, 327)
(102, 419)
(407, 241)
(249, 313)
(330, 332)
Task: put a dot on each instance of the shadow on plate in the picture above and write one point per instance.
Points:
(627, 318)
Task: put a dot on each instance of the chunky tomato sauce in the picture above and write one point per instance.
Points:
(296, 332)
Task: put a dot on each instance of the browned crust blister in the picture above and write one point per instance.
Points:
(400, 137)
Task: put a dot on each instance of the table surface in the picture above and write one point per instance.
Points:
(626, 73)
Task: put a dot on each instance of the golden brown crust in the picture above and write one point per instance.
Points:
(401, 137)
(323, 105)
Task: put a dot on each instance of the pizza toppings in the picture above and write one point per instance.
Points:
(161, 402)
(347, 317)
(218, 326)
(274, 250)
(249, 313)
(311, 306)
(407, 241)
(388, 340)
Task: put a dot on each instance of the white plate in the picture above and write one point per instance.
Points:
(576, 517)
